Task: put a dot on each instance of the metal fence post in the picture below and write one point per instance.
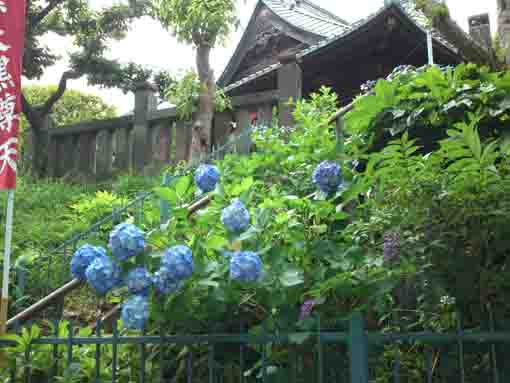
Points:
(358, 349)
(164, 206)
(339, 132)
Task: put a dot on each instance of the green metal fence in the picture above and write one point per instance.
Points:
(354, 355)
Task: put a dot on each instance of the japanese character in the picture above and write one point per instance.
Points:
(8, 153)
(3, 7)
(4, 47)
(7, 112)
(5, 76)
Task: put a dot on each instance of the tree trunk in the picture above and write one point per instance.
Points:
(39, 120)
(39, 145)
(202, 128)
(35, 153)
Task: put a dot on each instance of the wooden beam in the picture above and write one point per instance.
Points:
(266, 97)
(93, 126)
(163, 114)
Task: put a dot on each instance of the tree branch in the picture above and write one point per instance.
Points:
(29, 112)
(37, 18)
(62, 86)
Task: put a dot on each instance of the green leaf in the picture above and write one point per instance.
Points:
(216, 242)
(298, 338)
(292, 277)
(182, 186)
(167, 194)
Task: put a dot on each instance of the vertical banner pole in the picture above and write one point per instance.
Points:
(430, 48)
(12, 39)
(7, 262)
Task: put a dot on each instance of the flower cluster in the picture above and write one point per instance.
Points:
(163, 282)
(82, 258)
(135, 312)
(235, 217)
(391, 247)
(178, 262)
(245, 267)
(126, 241)
(103, 274)
(306, 308)
(139, 281)
(176, 266)
(327, 177)
(206, 177)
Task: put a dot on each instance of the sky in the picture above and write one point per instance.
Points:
(149, 44)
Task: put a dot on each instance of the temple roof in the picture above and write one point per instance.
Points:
(309, 17)
(342, 30)
(300, 20)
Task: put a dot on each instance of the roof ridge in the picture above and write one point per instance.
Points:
(329, 13)
(334, 22)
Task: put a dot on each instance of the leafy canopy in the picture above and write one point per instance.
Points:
(185, 92)
(74, 106)
(429, 101)
(197, 21)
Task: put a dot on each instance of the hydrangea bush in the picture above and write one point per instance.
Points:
(126, 241)
(236, 217)
(207, 177)
(135, 312)
(245, 267)
(83, 257)
(103, 274)
(139, 281)
(178, 262)
(327, 177)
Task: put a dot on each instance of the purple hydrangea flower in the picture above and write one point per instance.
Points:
(245, 266)
(103, 275)
(206, 177)
(327, 177)
(235, 217)
(126, 241)
(82, 258)
(135, 312)
(164, 283)
(178, 260)
(391, 247)
(306, 308)
(139, 281)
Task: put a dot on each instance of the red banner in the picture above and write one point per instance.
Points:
(12, 36)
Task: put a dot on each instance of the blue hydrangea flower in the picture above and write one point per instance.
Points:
(228, 254)
(139, 281)
(126, 241)
(327, 177)
(235, 217)
(83, 257)
(178, 261)
(206, 177)
(164, 282)
(245, 266)
(103, 275)
(135, 312)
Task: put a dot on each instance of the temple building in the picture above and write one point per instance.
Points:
(290, 48)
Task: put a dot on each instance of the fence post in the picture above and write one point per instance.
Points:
(358, 349)
(164, 205)
(145, 103)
